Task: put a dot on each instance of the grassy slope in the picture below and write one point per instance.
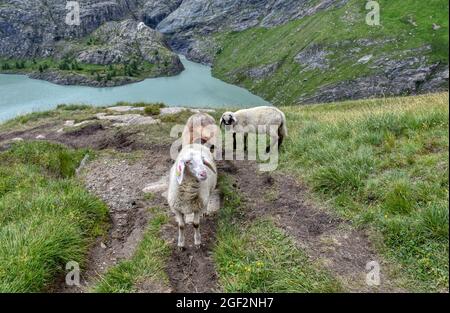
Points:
(256, 47)
(46, 216)
(382, 164)
(257, 256)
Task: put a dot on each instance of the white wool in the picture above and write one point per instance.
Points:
(186, 194)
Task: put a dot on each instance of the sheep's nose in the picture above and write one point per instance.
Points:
(203, 174)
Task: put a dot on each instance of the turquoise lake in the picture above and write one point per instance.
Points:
(194, 87)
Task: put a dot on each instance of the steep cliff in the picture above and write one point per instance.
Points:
(109, 35)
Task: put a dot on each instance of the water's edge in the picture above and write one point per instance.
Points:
(194, 87)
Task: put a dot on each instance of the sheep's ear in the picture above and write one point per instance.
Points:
(222, 121)
(206, 162)
(179, 171)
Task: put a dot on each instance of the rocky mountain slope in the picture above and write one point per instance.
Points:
(109, 34)
(193, 19)
(288, 51)
(334, 55)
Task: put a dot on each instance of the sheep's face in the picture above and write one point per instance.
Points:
(228, 118)
(196, 165)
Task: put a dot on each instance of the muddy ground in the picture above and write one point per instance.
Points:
(124, 165)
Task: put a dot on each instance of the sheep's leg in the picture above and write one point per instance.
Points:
(196, 224)
(181, 225)
(280, 138)
(273, 140)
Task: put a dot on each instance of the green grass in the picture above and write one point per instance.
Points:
(69, 65)
(147, 264)
(141, 104)
(76, 112)
(256, 256)
(47, 218)
(382, 164)
(335, 30)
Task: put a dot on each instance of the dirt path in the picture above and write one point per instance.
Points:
(327, 239)
(119, 182)
(193, 271)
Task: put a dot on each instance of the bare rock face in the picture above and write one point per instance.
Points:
(262, 71)
(154, 11)
(31, 28)
(196, 18)
(313, 57)
(36, 28)
(119, 42)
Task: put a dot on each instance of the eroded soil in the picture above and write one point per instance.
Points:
(325, 238)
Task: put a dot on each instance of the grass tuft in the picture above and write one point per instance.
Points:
(47, 218)
(258, 257)
(384, 165)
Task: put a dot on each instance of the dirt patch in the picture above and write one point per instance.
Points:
(28, 134)
(192, 270)
(119, 182)
(327, 239)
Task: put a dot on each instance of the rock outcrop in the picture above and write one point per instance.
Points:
(398, 78)
(121, 42)
(32, 28)
(194, 19)
(105, 36)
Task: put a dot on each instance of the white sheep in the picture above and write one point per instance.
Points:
(192, 179)
(250, 120)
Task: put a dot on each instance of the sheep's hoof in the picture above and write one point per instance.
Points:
(198, 246)
(181, 249)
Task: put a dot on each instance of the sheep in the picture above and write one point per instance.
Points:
(200, 128)
(248, 120)
(192, 179)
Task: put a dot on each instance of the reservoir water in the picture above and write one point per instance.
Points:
(194, 87)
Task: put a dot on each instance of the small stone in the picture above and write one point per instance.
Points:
(436, 26)
(40, 137)
(17, 139)
(102, 245)
(125, 108)
(365, 59)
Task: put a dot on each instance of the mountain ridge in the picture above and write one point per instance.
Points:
(287, 51)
